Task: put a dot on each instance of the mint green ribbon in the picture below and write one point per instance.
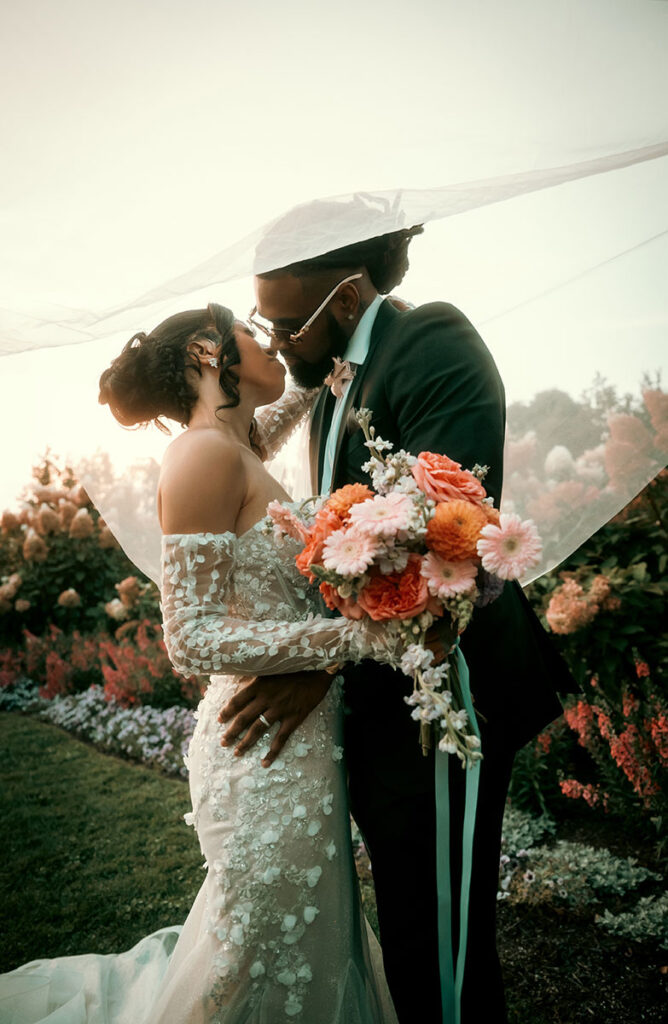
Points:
(452, 975)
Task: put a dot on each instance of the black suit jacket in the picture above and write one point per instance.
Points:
(432, 385)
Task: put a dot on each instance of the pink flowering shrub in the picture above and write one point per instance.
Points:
(65, 589)
(137, 670)
(606, 607)
(67, 562)
(11, 667)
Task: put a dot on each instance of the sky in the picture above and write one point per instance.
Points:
(141, 138)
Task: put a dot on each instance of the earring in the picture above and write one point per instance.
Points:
(213, 362)
(351, 316)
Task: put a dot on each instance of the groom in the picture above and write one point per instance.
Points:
(432, 385)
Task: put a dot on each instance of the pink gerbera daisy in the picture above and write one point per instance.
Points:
(383, 516)
(445, 579)
(348, 552)
(509, 549)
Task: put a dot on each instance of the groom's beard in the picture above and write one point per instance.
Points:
(311, 375)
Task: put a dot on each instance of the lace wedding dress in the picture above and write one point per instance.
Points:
(276, 932)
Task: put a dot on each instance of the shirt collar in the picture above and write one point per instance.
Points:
(358, 347)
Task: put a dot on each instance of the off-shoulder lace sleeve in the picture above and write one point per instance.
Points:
(203, 637)
(276, 423)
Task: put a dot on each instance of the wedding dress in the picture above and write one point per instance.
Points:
(276, 932)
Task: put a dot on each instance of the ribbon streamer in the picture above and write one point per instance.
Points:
(451, 972)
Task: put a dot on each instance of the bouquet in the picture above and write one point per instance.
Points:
(422, 543)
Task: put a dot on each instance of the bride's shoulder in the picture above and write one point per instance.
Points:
(202, 483)
(201, 443)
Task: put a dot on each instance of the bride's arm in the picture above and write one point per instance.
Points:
(276, 423)
(199, 508)
(203, 637)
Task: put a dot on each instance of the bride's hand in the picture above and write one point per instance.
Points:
(434, 643)
(287, 699)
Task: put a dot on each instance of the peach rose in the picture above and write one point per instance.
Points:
(440, 478)
(346, 605)
(397, 595)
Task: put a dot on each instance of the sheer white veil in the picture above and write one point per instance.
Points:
(547, 225)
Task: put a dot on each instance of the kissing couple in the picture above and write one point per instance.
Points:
(304, 719)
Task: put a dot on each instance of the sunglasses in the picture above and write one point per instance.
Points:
(287, 336)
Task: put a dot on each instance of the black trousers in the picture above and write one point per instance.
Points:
(392, 798)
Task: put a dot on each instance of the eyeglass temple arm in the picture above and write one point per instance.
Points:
(303, 330)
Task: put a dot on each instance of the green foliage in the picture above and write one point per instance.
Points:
(522, 831)
(580, 874)
(646, 922)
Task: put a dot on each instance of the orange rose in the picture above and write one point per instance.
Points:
(397, 595)
(454, 531)
(341, 501)
(440, 478)
(348, 606)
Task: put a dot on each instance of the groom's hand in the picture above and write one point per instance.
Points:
(287, 699)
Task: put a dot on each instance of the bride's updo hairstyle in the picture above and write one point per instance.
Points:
(151, 377)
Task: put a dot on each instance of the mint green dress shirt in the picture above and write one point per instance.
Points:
(356, 352)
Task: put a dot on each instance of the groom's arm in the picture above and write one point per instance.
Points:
(444, 391)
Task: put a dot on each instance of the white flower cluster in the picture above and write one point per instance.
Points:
(392, 473)
(433, 704)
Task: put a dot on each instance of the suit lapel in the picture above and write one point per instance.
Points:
(316, 438)
(385, 316)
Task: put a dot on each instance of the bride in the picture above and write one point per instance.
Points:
(277, 931)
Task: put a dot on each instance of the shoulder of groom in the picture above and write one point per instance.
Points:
(434, 323)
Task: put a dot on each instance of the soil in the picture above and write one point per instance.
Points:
(561, 968)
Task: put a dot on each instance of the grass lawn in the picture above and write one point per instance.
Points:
(95, 849)
(96, 855)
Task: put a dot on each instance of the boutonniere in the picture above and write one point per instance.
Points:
(341, 375)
